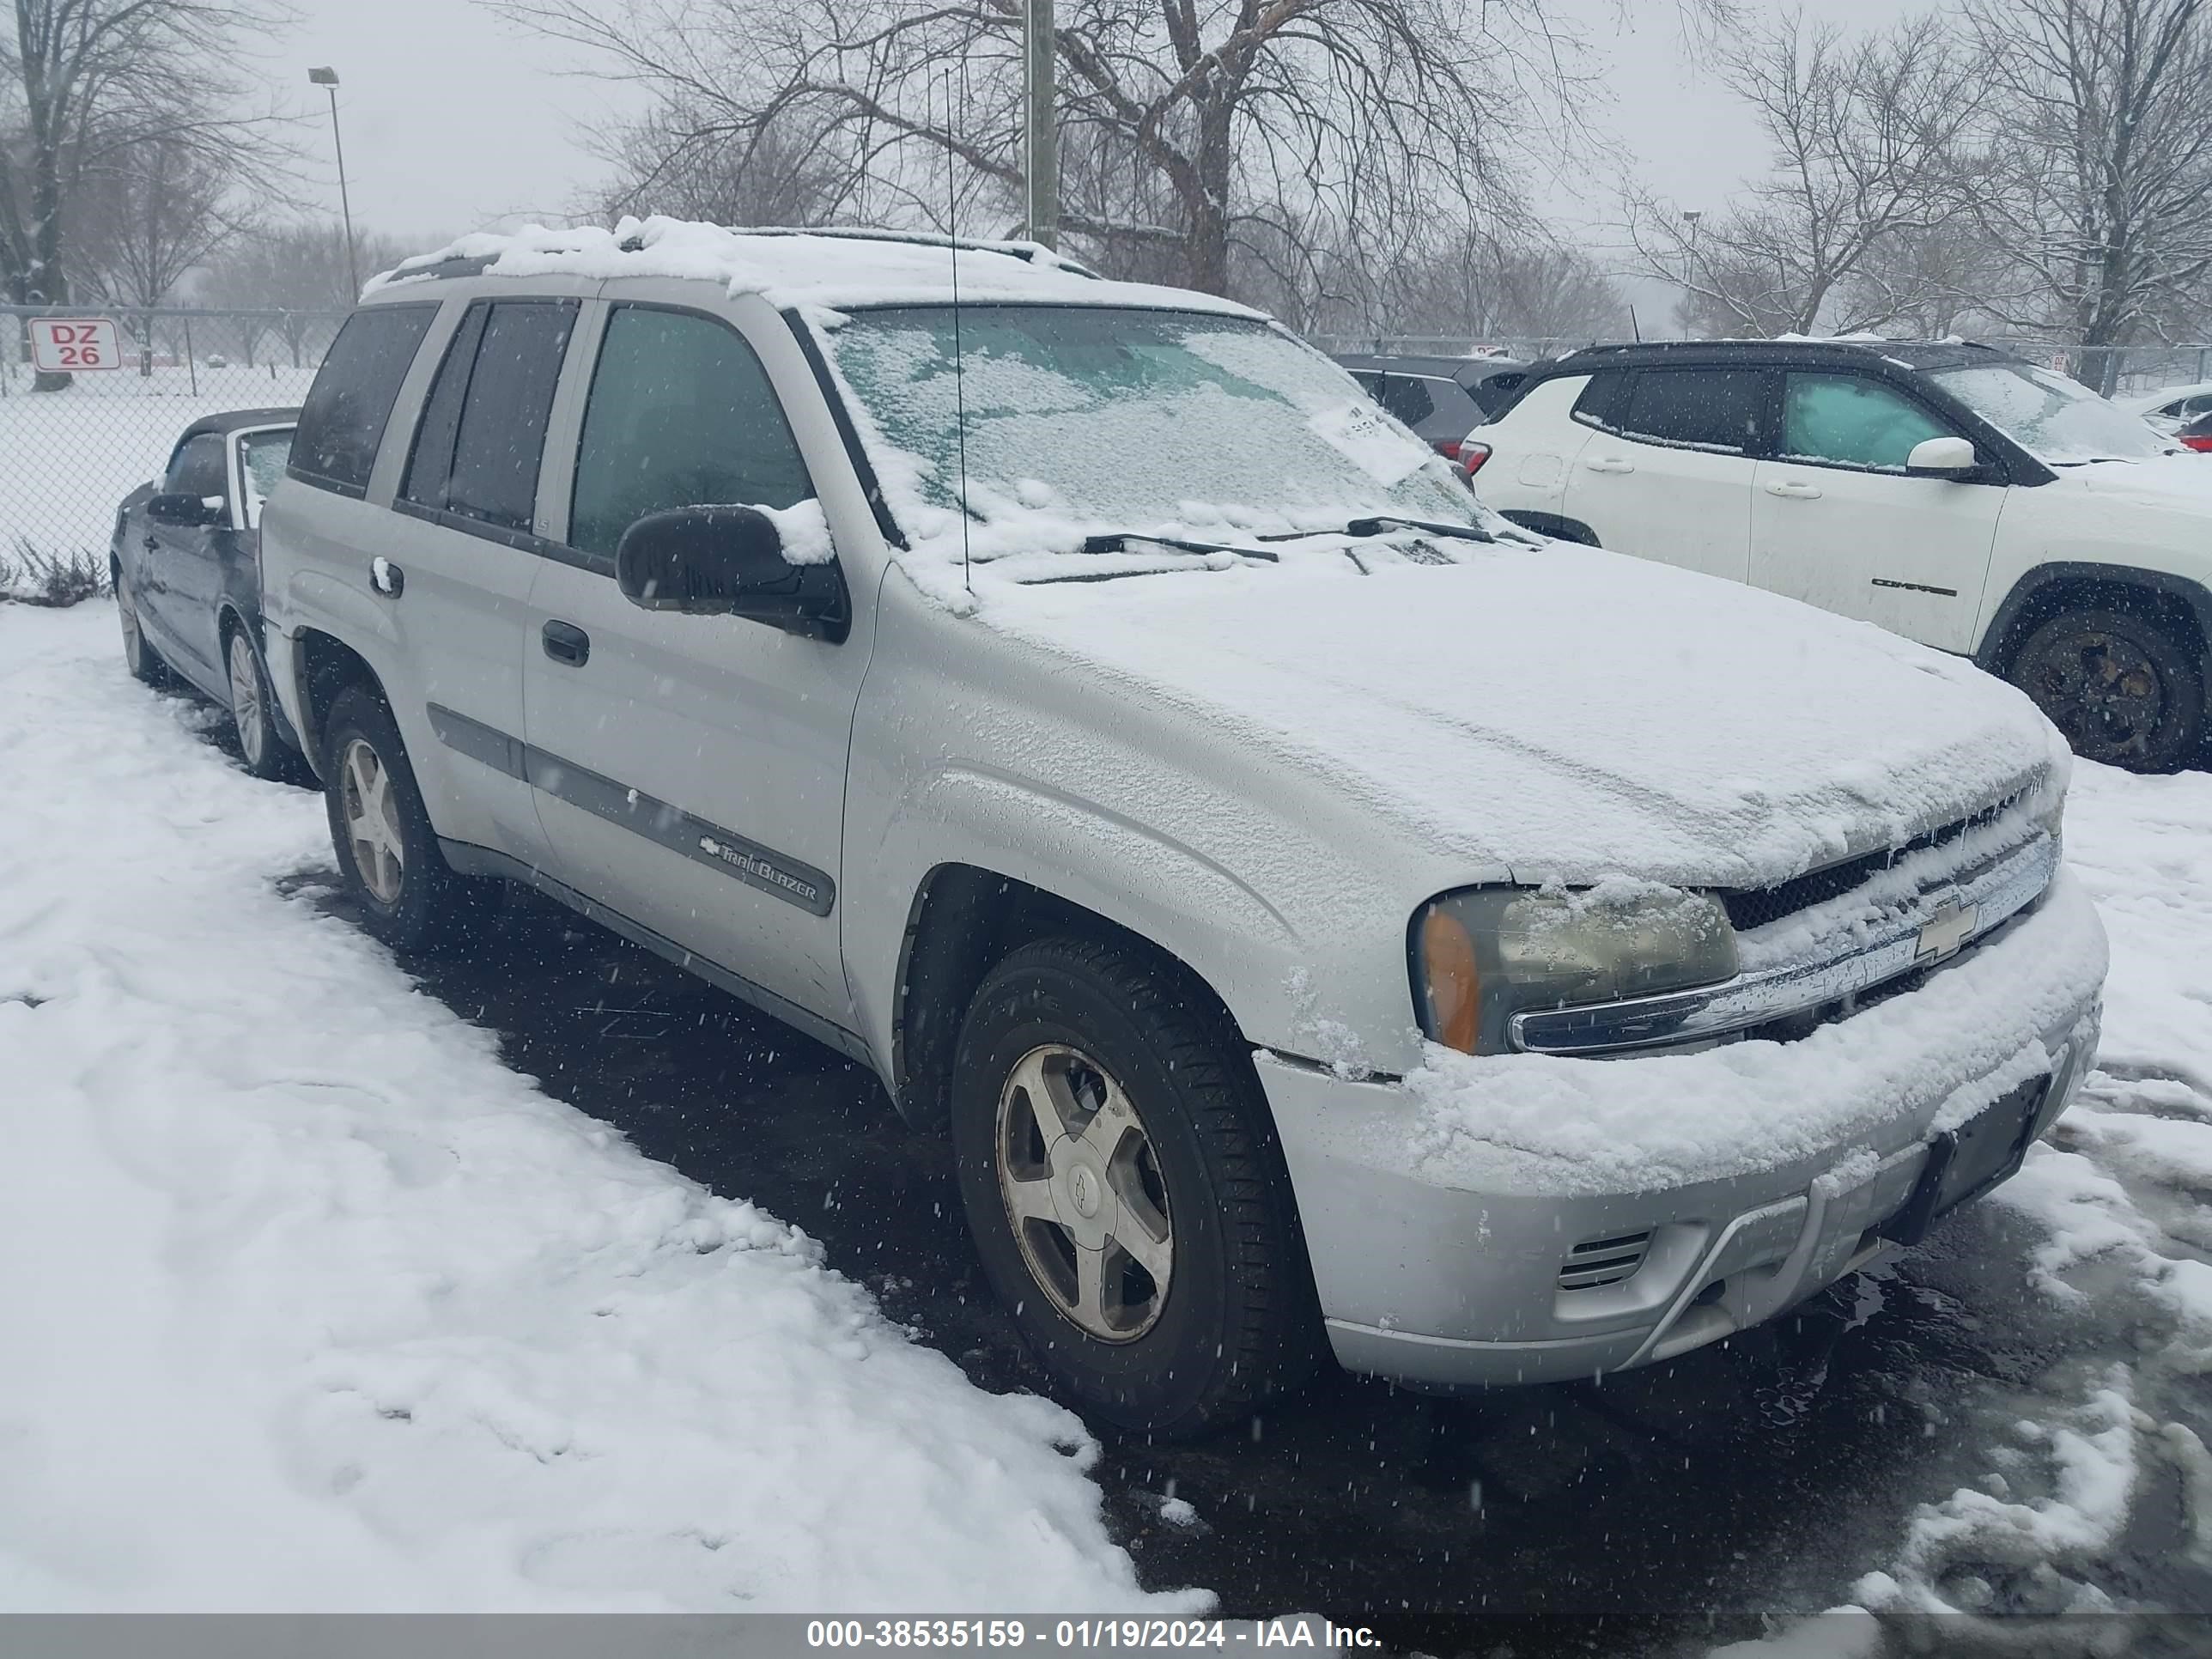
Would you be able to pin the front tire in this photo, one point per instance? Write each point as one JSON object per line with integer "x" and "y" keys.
{"x": 1127, "y": 1197}
{"x": 2122, "y": 688}
{"x": 387, "y": 852}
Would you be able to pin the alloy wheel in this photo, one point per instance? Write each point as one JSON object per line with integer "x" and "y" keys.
{"x": 245, "y": 707}
{"x": 2103, "y": 691}
{"x": 372, "y": 821}
{"x": 1082, "y": 1186}
{"x": 134, "y": 645}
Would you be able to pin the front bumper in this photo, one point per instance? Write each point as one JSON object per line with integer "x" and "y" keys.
{"x": 1446, "y": 1260}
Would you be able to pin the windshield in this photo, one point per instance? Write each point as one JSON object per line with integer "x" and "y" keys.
{"x": 2053, "y": 418}
{"x": 1132, "y": 419}
{"x": 261, "y": 457}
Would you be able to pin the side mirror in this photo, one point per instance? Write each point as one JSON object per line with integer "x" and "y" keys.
{"x": 174, "y": 508}
{"x": 729, "y": 562}
{"x": 1942, "y": 458}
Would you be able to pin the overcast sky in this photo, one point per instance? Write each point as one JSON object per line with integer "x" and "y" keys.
{"x": 455, "y": 121}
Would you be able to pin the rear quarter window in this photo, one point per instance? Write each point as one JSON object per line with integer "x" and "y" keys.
{"x": 341, "y": 422}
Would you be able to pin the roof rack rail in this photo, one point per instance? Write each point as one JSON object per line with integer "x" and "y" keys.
{"x": 1025, "y": 251}
{"x": 1028, "y": 252}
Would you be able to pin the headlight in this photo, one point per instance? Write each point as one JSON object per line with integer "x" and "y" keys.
{"x": 1482, "y": 955}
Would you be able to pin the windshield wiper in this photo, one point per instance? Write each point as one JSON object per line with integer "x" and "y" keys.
{"x": 1465, "y": 533}
{"x": 1121, "y": 540}
{"x": 1374, "y": 526}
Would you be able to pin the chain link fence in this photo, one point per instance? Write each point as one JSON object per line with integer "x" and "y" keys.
{"x": 71, "y": 446}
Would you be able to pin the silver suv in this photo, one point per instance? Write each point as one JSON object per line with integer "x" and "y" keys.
{"x": 1323, "y": 916}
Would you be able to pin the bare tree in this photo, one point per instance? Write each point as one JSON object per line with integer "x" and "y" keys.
{"x": 89, "y": 83}
{"x": 1520, "y": 286}
{"x": 154, "y": 211}
{"x": 2099, "y": 142}
{"x": 1193, "y": 138}
{"x": 775, "y": 173}
{"x": 1866, "y": 135}
{"x": 299, "y": 271}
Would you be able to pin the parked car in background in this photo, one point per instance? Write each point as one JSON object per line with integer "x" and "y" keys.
{"x": 2173, "y": 407}
{"x": 186, "y": 560}
{"x": 1440, "y": 397}
{"x": 1224, "y": 845}
{"x": 1955, "y": 493}
{"x": 2197, "y": 435}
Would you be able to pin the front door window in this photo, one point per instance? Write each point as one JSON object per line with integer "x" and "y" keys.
{"x": 1846, "y": 420}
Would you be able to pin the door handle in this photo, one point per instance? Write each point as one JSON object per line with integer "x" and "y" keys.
{"x": 1792, "y": 489}
{"x": 1610, "y": 464}
{"x": 566, "y": 642}
{"x": 386, "y": 578}
{"x": 153, "y": 546}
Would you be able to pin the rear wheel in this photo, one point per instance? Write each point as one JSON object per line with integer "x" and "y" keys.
{"x": 1121, "y": 1175}
{"x": 144, "y": 662}
{"x": 388, "y": 852}
{"x": 2122, "y": 688}
{"x": 253, "y": 711}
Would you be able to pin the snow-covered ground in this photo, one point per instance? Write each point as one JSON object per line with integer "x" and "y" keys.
{"x": 313, "y": 1303}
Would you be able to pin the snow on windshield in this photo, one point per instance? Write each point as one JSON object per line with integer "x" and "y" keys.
{"x": 2059, "y": 420}
{"x": 1069, "y": 422}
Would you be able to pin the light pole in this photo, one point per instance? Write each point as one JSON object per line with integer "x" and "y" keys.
{"x": 327, "y": 79}
{"x": 1690, "y": 217}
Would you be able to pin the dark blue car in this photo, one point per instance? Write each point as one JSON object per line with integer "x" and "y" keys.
{"x": 187, "y": 570}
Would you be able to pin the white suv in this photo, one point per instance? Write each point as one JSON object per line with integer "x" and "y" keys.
{"x": 1079, "y": 705}
{"x": 1953, "y": 493}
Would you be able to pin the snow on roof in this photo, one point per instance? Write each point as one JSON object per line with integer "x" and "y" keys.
{"x": 828, "y": 268}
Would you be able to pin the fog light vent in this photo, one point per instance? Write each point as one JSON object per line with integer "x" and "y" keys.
{"x": 1597, "y": 1262}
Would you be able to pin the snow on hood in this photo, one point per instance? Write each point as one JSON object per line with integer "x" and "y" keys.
{"x": 1567, "y": 713}
{"x": 2181, "y": 478}
{"x": 796, "y": 268}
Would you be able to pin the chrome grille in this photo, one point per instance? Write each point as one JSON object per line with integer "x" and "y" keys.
{"x": 1597, "y": 1262}
{"x": 1754, "y": 906}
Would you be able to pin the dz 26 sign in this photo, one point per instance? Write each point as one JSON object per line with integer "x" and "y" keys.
{"x": 65, "y": 344}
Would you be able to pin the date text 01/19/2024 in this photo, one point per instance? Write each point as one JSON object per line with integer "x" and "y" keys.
{"x": 1080, "y": 1634}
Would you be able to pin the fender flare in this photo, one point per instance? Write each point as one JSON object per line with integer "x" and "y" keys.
{"x": 1998, "y": 640}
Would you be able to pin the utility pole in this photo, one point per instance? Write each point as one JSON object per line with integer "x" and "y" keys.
{"x": 328, "y": 80}
{"x": 1041, "y": 152}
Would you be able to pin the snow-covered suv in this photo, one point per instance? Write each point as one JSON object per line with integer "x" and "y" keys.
{"x": 1954, "y": 493}
{"x": 1079, "y": 705}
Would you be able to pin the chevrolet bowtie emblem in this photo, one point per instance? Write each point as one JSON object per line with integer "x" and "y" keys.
{"x": 1942, "y": 933}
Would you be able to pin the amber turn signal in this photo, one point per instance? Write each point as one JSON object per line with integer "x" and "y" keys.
{"x": 1455, "y": 992}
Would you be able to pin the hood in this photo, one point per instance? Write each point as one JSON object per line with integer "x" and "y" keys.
{"x": 1566, "y": 713}
{"x": 2182, "y": 481}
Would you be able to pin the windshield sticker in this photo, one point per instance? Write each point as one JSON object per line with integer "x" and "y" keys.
{"x": 1365, "y": 439}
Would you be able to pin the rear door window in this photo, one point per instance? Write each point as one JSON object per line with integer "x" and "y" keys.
{"x": 342, "y": 422}
{"x": 1599, "y": 403}
{"x": 483, "y": 432}
{"x": 1717, "y": 408}
{"x": 682, "y": 414}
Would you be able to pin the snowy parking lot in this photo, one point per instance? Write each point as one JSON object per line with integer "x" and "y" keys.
{"x": 341, "y": 1282}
